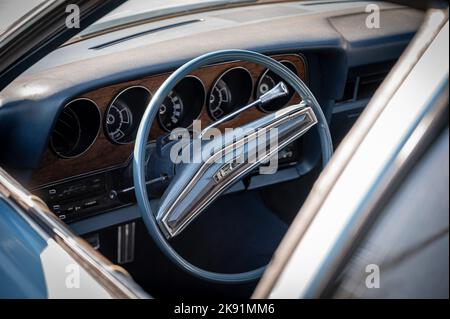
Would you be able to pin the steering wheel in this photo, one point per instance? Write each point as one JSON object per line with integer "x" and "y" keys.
{"x": 198, "y": 184}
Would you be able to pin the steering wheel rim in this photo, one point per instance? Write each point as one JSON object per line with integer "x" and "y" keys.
{"x": 144, "y": 129}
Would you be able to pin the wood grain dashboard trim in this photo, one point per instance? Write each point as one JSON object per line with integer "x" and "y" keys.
{"x": 103, "y": 153}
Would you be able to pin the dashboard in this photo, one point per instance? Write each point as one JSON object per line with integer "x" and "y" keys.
{"x": 97, "y": 129}
{"x": 86, "y": 168}
{"x": 67, "y": 125}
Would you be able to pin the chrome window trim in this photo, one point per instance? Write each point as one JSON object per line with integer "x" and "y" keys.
{"x": 32, "y": 15}
{"x": 286, "y": 277}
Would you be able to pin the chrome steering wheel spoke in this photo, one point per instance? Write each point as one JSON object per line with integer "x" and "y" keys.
{"x": 238, "y": 153}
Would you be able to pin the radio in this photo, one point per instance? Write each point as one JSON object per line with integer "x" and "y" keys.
{"x": 81, "y": 196}
{"x": 90, "y": 194}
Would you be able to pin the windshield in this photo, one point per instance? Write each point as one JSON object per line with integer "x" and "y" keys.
{"x": 134, "y": 11}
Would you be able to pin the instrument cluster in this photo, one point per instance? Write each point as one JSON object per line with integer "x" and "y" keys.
{"x": 190, "y": 99}
{"x": 230, "y": 91}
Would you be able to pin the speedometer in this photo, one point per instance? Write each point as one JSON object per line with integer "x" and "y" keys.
{"x": 182, "y": 105}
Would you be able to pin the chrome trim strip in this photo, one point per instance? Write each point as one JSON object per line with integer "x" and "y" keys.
{"x": 125, "y": 243}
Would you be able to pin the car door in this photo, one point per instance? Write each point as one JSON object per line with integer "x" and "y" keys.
{"x": 380, "y": 209}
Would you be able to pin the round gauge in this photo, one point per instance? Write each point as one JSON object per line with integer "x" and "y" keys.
{"x": 124, "y": 113}
{"x": 266, "y": 84}
{"x": 119, "y": 121}
{"x": 171, "y": 112}
{"x": 231, "y": 90}
{"x": 183, "y": 104}
{"x": 267, "y": 81}
{"x": 220, "y": 100}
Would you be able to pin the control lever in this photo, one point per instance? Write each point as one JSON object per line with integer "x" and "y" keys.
{"x": 279, "y": 90}
{"x": 117, "y": 193}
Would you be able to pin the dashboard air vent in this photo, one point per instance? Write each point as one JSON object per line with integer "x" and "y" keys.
{"x": 75, "y": 129}
{"x": 362, "y": 82}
